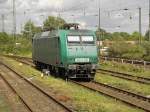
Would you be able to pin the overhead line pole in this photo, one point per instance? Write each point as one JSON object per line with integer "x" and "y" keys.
{"x": 149, "y": 20}
{"x": 14, "y": 19}
{"x": 99, "y": 23}
{"x": 140, "y": 26}
{"x": 99, "y": 19}
{"x": 3, "y": 22}
{"x": 99, "y": 13}
{"x": 30, "y": 28}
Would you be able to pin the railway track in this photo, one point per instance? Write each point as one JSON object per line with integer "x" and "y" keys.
{"x": 109, "y": 72}
{"x": 125, "y": 76}
{"x": 20, "y": 98}
{"x": 11, "y": 94}
{"x": 18, "y": 57}
{"x": 24, "y": 60}
{"x": 131, "y": 98}
{"x": 127, "y": 97}
{"x": 33, "y": 97}
{"x": 138, "y": 79}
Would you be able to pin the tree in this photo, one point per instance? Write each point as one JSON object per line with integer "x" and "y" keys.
{"x": 30, "y": 29}
{"x": 122, "y": 49}
{"x": 117, "y": 37}
{"x": 134, "y": 52}
{"x": 125, "y": 36}
{"x": 52, "y": 23}
{"x": 146, "y": 46}
{"x": 4, "y": 38}
{"x": 118, "y": 48}
{"x": 101, "y": 34}
{"x": 135, "y": 36}
{"x": 147, "y": 35}
{"x": 6, "y": 43}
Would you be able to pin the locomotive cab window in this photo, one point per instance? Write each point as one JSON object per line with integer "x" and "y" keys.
{"x": 74, "y": 39}
{"x": 87, "y": 39}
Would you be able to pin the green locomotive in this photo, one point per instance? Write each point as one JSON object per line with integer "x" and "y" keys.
{"x": 71, "y": 53}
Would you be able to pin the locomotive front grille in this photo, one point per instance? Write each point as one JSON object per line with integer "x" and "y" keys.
{"x": 81, "y": 71}
{"x": 82, "y": 76}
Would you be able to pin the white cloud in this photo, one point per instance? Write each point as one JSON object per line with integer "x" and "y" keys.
{"x": 50, "y": 3}
{"x": 118, "y": 16}
{"x": 3, "y": 1}
{"x": 83, "y": 24}
{"x": 110, "y": 19}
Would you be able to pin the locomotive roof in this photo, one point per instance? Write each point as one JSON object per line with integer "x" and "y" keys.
{"x": 55, "y": 33}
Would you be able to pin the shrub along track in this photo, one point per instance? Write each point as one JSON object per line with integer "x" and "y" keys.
{"x": 33, "y": 97}
{"x": 125, "y": 96}
{"x": 125, "y": 76}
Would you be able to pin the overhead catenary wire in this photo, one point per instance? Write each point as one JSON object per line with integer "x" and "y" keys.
{"x": 83, "y": 10}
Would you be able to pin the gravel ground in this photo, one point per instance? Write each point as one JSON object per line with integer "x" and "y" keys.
{"x": 12, "y": 102}
{"x": 37, "y": 101}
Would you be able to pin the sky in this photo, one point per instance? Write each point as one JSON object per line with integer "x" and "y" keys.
{"x": 113, "y": 16}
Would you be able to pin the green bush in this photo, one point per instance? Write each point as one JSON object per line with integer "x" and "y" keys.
{"x": 134, "y": 52}
{"x": 146, "y": 46}
{"x": 125, "y": 50}
{"x": 8, "y": 45}
{"x": 117, "y": 49}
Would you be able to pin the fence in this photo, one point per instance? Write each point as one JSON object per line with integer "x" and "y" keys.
{"x": 135, "y": 62}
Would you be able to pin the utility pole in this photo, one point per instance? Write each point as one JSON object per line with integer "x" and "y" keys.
{"x": 84, "y": 13}
{"x": 14, "y": 19}
{"x": 99, "y": 25}
{"x": 99, "y": 15}
{"x": 3, "y": 22}
{"x": 149, "y": 22}
{"x": 30, "y": 28}
{"x": 140, "y": 27}
{"x": 58, "y": 17}
{"x": 99, "y": 19}
{"x": 99, "y": 22}
{"x": 42, "y": 20}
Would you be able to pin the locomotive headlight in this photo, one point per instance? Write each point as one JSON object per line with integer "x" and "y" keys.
{"x": 72, "y": 67}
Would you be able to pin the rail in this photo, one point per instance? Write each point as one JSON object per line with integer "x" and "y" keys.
{"x": 138, "y": 79}
{"x": 38, "y": 88}
{"x": 127, "y": 97}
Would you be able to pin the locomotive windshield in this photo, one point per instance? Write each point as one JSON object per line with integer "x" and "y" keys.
{"x": 73, "y": 39}
{"x": 87, "y": 39}
{"x": 81, "y": 40}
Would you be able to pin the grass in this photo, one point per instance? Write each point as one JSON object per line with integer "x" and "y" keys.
{"x": 27, "y": 54}
{"x": 124, "y": 84}
{"x": 126, "y": 68}
{"x": 81, "y": 98}
{"x": 4, "y": 107}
